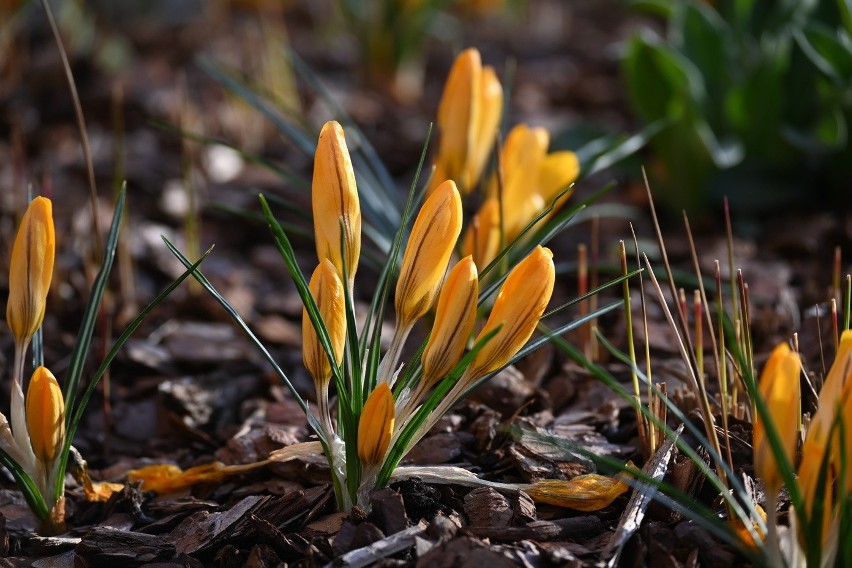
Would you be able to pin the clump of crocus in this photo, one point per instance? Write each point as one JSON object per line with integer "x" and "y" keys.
{"x": 35, "y": 448}
{"x": 529, "y": 180}
{"x": 385, "y": 403}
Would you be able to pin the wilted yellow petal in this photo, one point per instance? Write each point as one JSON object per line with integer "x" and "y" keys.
{"x": 482, "y": 238}
{"x": 517, "y": 309}
{"x": 591, "y": 492}
{"x": 427, "y": 253}
{"x": 454, "y": 319}
{"x": 328, "y": 293}
{"x": 45, "y": 415}
{"x": 744, "y": 534}
{"x": 779, "y": 388}
{"x": 334, "y": 198}
{"x": 31, "y": 269}
{"x": 101, "y": 491}
{"x": 375, "y": 429}
{"x": 167, "y": 478}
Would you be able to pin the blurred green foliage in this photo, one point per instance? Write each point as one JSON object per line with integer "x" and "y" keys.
{"x": 757, "y": 99}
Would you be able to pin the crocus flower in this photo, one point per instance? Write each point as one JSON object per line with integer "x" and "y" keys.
{"x": 327, "y": 291}
{"x": 427, "y": 253}
{"x": 835, "y": 395}
{"x": 532, "y": 179}
{"x": 334, "y": 198}
{"x": 517, "y": 309}
{"x": 779, "y": 389}
{"x": 468, "y": 118}
{"x": 45, "y": 415}
{"x": 454, "y": 318}
{"x": 31, "y": 270}
{"x": 375, "y": 428}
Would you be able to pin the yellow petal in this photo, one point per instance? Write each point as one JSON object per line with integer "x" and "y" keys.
{"x": 45, "y": 415}
{"x": 454, "y": 318}
{"x": 557, "y": 171}
{"x": 31, "y": 269}
{"x": 375, "y": 429}
{"x": 779, "y": 388}
{"x": 101, "y": 491}
{"x": 334, "y": 198}
{"x": 517, "y": 309}
{"x": 427, "y": 253}
{"x": 591, "y": 492}
{"x": 744, "y": 534}
{"x": 458, "y": 111}
{"x": 482, "y": 238}
{"x": 328, "y": 293}
{"x": 484, "y": 131}
{"x": 522, "y": 156}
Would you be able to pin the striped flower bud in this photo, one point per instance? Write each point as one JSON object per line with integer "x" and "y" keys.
{"x": 468, "y": 118}
{"x": 779, "y": 389}
{"x": 375, "y": 429}
{"x": 45, "y": 415}
{"x": 335, "y": 201}
{"x": 454, "y": 319}
{"x": 482, "y": 239}
{"x": 327, "y": 290}
{"x": 31, "y": 270}
{"x": 427, "y": 253}
{"x": 517, "y": 309}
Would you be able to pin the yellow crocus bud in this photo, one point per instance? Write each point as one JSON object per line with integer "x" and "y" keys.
{"x": 31, "y": 270}
{"x": 335, "y": 201}
{"x": 327, "y": 290}
{"x": 468, "y": 118}
{"x": 779, "y": 389}
{"x": 835, "y": 391}
{"x": 375, "y": 429}
{"x": 427, "y": 253}
{"x": 482, "y": 239}
{"x": 45, "y": 415}
{"x": 517, "y": 309}
{"x": 454, "y": 319}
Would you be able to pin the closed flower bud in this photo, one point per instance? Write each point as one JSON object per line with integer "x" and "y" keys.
{"x": 779, "y": 388}
{"x": 517, "y": 309}
{"x": 468, "y": 118}
{"x": 375, "y": 428}
{"x": 836, "y": 393}
{"x": 454, "y": 319}
{"x": 427, "y": 253}
{"x": 45, "y": 415}
{"x": 327, "y": 290}
{"x": 31, "y": 270}
{"x": 335, "y": 201}
{"x": 482, "y": 239}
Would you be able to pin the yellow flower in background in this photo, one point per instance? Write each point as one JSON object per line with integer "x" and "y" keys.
{"x": 468, "y": 119}
{"x": 334, "y": 198}
{"x": 45, "y": 415}
{"x": 532, "y": 179}
{"x": 427, "y": 253}
{"x": 779, "y": 389}
{"x": 31, "y": 270}
{"x": 328, "y": 293}
{"x": 454, "y": 318}
{"x": 375, "y": 429}
{"x": 517, "y": 310}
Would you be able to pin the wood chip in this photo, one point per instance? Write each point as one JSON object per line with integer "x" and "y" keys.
{"x": 487, "y": 507}
{"x": 107, "y": 547}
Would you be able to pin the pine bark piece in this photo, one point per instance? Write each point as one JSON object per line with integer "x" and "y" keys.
{"x": 486, "y": 507}
{"x": 572, "y": 527}
{"x": 388, "y": 511}
{"x": 105, "y": 547}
